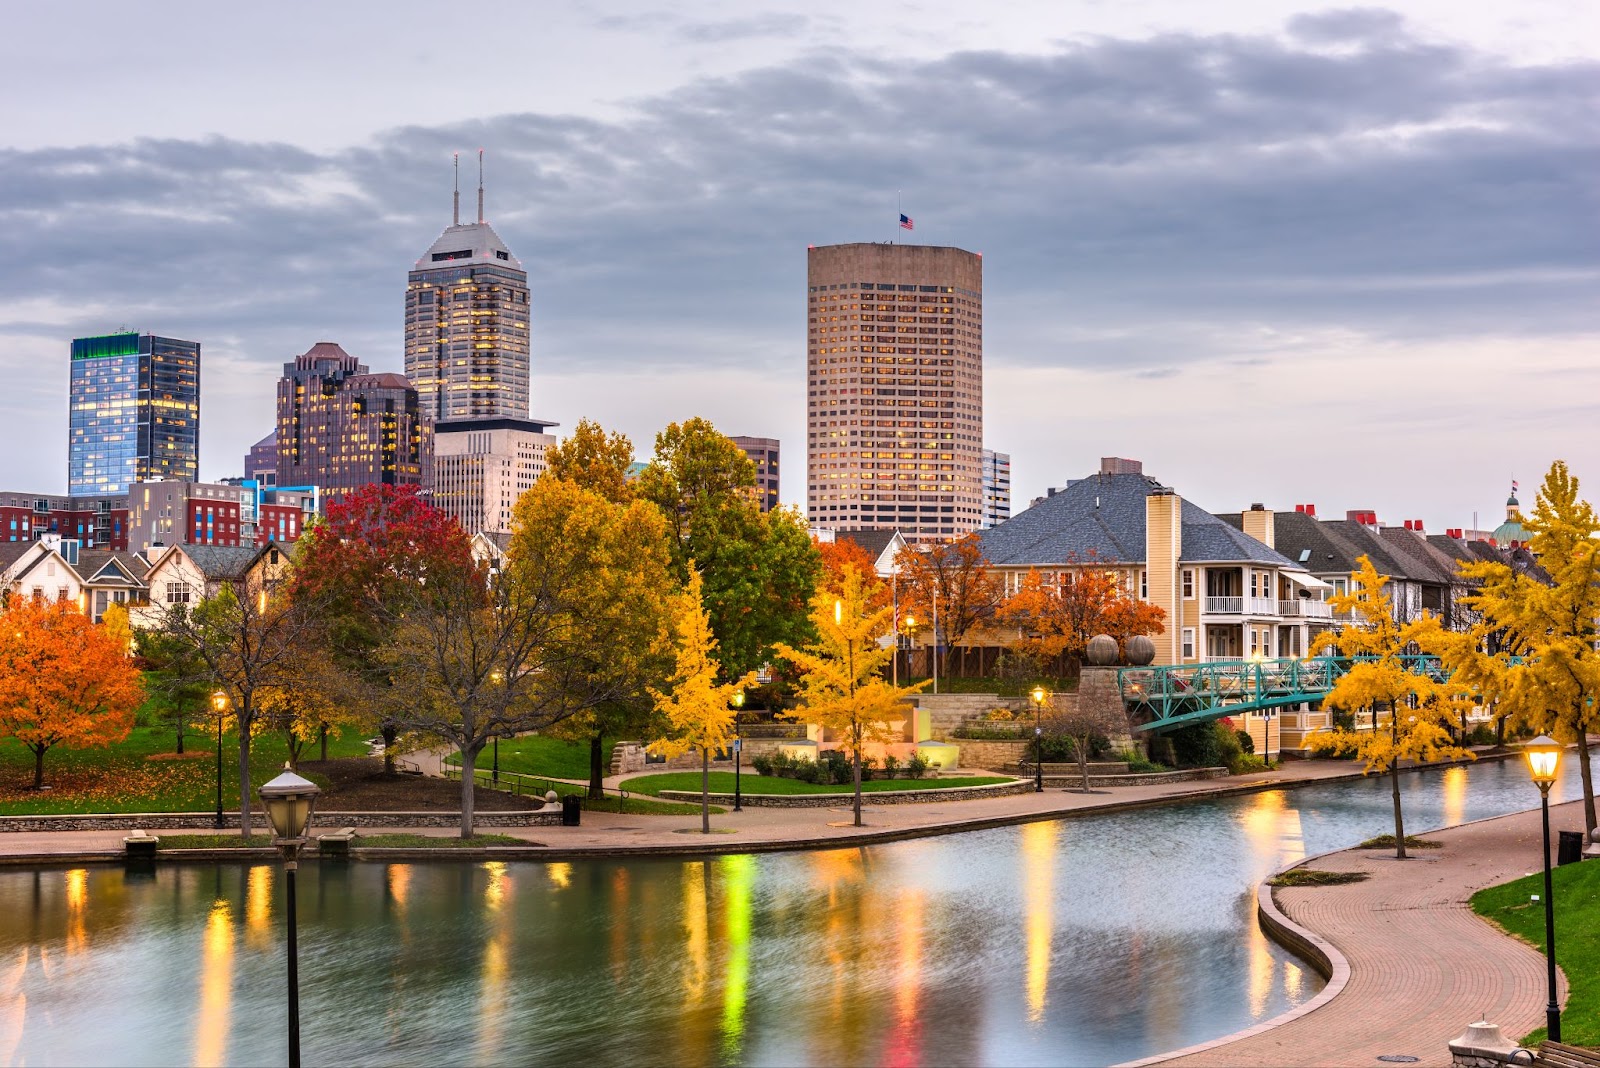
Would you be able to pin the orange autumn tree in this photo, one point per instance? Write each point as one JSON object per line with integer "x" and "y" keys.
{"x": 63, "y": 681}
{"x": 1089, "y": 601}
{"x": 841, "y": 556}
{"x": 950, "y": 582}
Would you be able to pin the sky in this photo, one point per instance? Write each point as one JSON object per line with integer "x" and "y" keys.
{"x": 1281, "y": 252}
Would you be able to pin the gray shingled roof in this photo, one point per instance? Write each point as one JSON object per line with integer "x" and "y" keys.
{"x": 221, "y": 562}
{"x": 873, "y": 541}
{"x": 1102, "y": 517}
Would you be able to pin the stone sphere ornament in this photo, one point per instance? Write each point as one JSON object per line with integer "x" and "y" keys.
{"x": 1102, "y": 650}
{"x": 1141, "y": 650}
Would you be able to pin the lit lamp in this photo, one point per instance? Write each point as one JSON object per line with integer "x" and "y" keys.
{"x": 1544, "y": 757}
{"x": 738, "y": 740}
{"x": 289, "y": 800}
{"x": 219, "y": 705}
{"x": 1038, "y": 697}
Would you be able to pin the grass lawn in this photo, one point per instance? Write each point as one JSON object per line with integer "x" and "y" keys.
{"x": 1577, "y": 898}
{"x": 143, "y": 774}
{"x": 535, "y": 754}
{"x": 213, "y": 841}
{"x": 631, "y": 806}
{"x": 722, "y": 783}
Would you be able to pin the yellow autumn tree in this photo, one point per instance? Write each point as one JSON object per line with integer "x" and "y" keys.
{"x": 1380, "y": 680}
{"x": 699, "y": 710}
{"x": 842, "y": 686}
{"x": 1543, "y": 672}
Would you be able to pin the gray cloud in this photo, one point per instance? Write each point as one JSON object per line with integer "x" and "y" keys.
{"x": 1142, "y": 204}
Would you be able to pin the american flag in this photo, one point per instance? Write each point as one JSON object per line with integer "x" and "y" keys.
{"x": 905, "y": 223}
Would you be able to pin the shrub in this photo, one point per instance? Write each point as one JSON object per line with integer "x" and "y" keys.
{"x": 1247, "y": 744}
{"x": 997, "y": 733}
{"x": 868, "y": 766}
{"x": 1205, "y": 745}
{"x": 1482, "y": 734}
{"x": 809, "y": 771}
{"x": 916, "y": 767}
{"x": 836, "y": 767}
{"x": 891, "y": 764}
{"x": 762, "y": 764}
{"x": 1246, "y": 762}
{"x": 1136, "y": 762}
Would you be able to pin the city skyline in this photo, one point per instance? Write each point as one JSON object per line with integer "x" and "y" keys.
{"x": 1350, "y": 237}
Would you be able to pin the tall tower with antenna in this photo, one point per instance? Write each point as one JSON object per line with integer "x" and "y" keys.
{"x": 467, "y": 349}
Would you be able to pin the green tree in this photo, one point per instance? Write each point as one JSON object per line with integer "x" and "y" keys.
{"x": 842, "y": 687}
{"x": 1544, "y": 672}
{"x": 759, "y": 569}
{"x": 699, "y": 711}
{"x": 593, "y": 459}
{"x": 1420, "y": 708}
{"x": 177, "y": 683}
{"x": 606, "y": 564}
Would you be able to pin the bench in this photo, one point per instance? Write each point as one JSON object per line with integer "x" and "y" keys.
{"x": 336, "y": 843}
{"x": 140, "y": 845}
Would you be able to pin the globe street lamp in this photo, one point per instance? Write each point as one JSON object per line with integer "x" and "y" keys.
{"x": 219, "y": 705}
{"x": 738, "y": 744}
{"x": 1544, "y": 756}
{"x": 289, "y": 800}
{"x": 1038, "y": 696}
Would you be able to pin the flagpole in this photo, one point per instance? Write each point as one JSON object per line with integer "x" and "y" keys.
{"x": 894, "y": 234}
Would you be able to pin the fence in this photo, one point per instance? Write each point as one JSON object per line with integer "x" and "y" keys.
{"x": 520, "y": 785}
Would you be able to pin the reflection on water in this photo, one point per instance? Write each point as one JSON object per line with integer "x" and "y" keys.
{"x": 1080, "y": 942}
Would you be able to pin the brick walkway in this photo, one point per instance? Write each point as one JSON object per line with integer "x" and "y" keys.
{"x": 1422, "y": 965}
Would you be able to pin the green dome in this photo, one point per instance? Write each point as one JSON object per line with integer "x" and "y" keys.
{"x": 1510, "y": 532}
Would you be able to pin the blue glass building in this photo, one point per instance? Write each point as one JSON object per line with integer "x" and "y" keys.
{"x": 135, "y": 412}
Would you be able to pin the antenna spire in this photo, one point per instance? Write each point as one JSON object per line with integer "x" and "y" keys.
{"x": 480, "y": 186}
{"x": 455, "y": 197}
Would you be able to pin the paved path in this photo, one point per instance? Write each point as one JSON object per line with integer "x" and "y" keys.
{"x": 1422, "y": 965}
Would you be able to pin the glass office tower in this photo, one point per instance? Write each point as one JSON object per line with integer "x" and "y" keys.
{"x": 135, "y": 412}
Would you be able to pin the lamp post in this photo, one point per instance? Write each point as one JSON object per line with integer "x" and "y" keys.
{"x": 219, "y": 705}
{"x": 289, "y": 800}
{"x": 1544, "y": 755}
{"x": 1038, "y": 696}
{"x": 738, "y": 745}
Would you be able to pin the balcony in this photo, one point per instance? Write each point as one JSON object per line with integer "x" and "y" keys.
{"x": 1305, "y": 608}
{"x": 1241, "y": 606}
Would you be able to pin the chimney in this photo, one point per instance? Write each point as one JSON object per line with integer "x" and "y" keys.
{"x": 1362, "y": 516}
{"x": 1311, "y": 510}
{"x": 1300, "y": 508}
{"x": 1258, "y": 524}
{"x": 1117, "y": 465}
{"x": 1163, "y": 548}
{"x": 1408, "y": 524}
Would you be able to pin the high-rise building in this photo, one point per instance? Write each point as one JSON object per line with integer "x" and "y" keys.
{"x": 97, "y": 522}
{"x": 996, "y": 488}
{"x": 467, "y": 324}
{"x": 261, "y": 462}
{"x": 340, "y": 427}
{"x": 135, "y": 412}
{"x": 763, "y": 452}
{"x": 481, "y": 467}
{"x": 894, "y": 414}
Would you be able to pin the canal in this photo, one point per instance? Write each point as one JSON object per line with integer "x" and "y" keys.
{"x": 1082, "y": 941}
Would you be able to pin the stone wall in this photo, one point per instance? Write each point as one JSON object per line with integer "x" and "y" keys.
{"x": 1152, "y": 778}
{"x": 874, "y": 797}
{"x": 321, "y": 822}
{"x": 993, "y": 754}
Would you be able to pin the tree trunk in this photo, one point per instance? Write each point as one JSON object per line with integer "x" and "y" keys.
{"x": 1588, "y": 783}
{"x": 857, "y": 772}
{"x": 1083, "y": 761}
{"x": 469, "y": 786}
{"x": 244, "y": 720}
{"x": 390, "y": 734}
{"x": 180, "y": 729}
{"x": 705, "y": 790}
{"x": 1399, "y": 820}
{"x": 323, "y": 737}
{"x": 597, "y": 788}
{"x": 38, "y": 767}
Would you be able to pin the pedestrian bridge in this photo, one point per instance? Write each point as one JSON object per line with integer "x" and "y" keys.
{"x": 1161, "y": 698}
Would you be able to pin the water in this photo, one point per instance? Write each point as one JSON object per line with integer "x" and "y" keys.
{"x": 1083, "y": 941}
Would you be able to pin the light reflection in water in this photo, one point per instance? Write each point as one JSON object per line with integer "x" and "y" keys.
{"x": 1038, "y": 881}
{"x": 738, "y": 883}
{"x": 494, "y": 980}
{"x": 216, "y": 987}
{"x": 77, "y": 904}
{"x": 258, "y": 907}
{"x": 13, "y": 1007}
{"x": 560, "y": 874}
{"x": 905, "y": 1041}
{"x": 1453, "y": 785}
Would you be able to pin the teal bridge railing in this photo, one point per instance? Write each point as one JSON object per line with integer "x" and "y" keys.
{"x": 1161, "y": 698}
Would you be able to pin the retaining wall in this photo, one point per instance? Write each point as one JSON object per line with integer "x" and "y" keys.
{"x": 873, "y": 797}
{"x": 320, "y": 822}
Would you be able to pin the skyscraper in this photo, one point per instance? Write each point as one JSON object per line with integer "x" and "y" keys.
{"x": 340, "y": 426}
{"x": 481, "y": 467}
{"x": 894, "y": 412}
{"x": 996, "y": 488}
{"x": 135, "y": 412}
{"x": 467, "y": 323}
{"x": 763, "y": 452}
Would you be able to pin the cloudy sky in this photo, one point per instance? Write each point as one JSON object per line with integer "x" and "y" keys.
{"x": 1280, "y": 252}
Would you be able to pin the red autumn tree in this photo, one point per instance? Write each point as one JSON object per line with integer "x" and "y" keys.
{"x": 1089, "y": 600}
{"x": 373, "y": 549}
{"x": 841, "y": 556}
{"x": 949, "y": 582}
{"x": 63, "y": 681}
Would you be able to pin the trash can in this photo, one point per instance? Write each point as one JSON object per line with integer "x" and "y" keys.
{"x": 1570, "y": 851}
{"x": 571, "y": 809}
